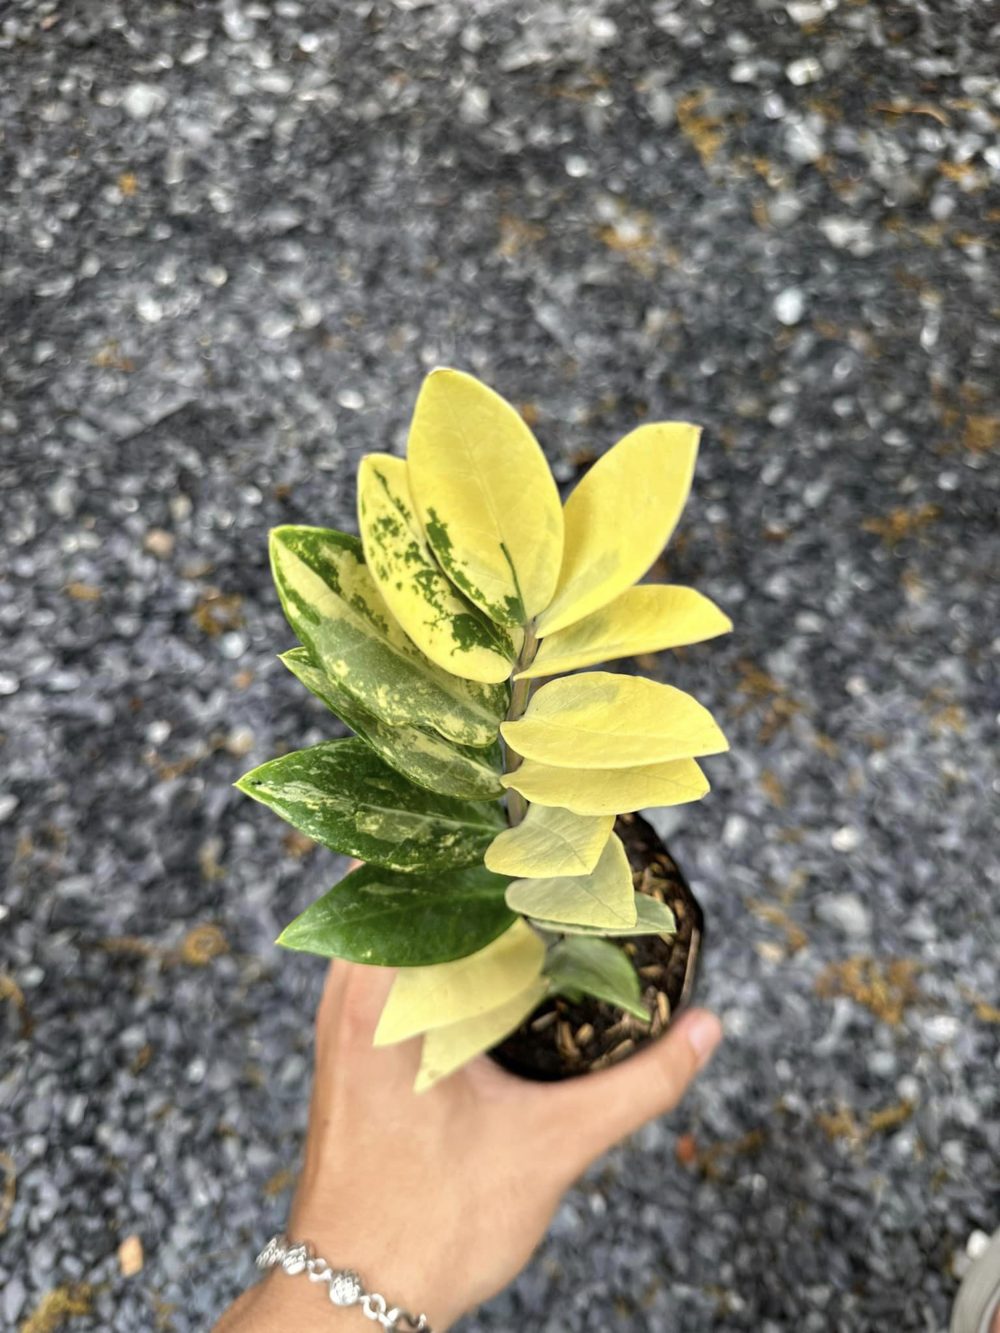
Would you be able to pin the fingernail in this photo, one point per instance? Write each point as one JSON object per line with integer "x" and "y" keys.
{"x": 704, "y": 1032}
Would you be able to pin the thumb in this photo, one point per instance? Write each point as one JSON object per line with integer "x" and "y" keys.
{"x": 614, "y": 1103}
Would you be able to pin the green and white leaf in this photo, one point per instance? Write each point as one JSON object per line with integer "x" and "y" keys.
{"x": 651, "y": 918}
{"x": 422, "y": 756}
{"x": 604, "y": 898}
{"x": 485, "y": 495}
{"x": 389, "y": 919}
{"x": 423, "y": 998}
{"x": 550, "y": 841}
{"x": 603, "y": 720}
{"x": 620, "y": 517}
{"x": 595, "y": 967}
{"x": 647, "y": 619}
{"x": 447, "y": 1049}
{"x": 343, "y": 795}
{"x": 443, "y": 624}
{"x": 607, "y": 791}
{"x": 336, "y": 610}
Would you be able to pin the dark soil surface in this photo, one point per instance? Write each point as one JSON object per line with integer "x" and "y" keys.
{"x": 561, "y": 1038}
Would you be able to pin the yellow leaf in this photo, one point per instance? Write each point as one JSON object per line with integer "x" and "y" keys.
{"x": 605, "y": 897}
{"x": 486, "y": 497}
{"x": 423, "y": 998}
{"x": 605, "y": 791}
{"x": 550, "y": 841}
{"x": 620, "y": 517}
{"x": 602, "y": 720}
{"x": 447, "y": 1049}
{"x": 646, "y": 619}
{"x": 445, "y": 627}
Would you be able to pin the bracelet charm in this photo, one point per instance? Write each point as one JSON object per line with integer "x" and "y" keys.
{"x": 344, "y": 1286}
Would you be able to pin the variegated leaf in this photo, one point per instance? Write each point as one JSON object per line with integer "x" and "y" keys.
{"x": 447, "y": 1049}
{"x": 603, "y": 720}
{"x": 646, "y": 619}
{"x": 486, "y": 497}
{"x": 443, "y": 624}
{"x": 620, "y": 517}
{"x": 335, "y": 608}
{"x": 423, "y": 998}
{"x": 390, "y": 919}
{"x": 422, "y": 756}
{"x": 605, "y": 897}
{"x": 651, "y": 918}
{"x": 605, "y": 791}
{"x": 549, "y": 842}
{"x": 343, "y": 795}
{"x": 595, "y": 967}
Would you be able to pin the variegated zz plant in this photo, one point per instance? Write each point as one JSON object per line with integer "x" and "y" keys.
{"x": 483, "y": 807}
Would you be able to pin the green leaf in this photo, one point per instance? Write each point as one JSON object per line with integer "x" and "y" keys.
{"x": 422, "y": 756}
{"x": 423, "y": 998}
{"x": 343, "y": 795}
{"x": 651, "y": 918}
{"x": 486, "y": 498}
{"x": 440, "y": 621}
{"x": 603, "y": 720}
{"x": 335, "y": 608}
{"x": 596, "y": 968}
{"x": 602, "y": 898}
{"x": 389, "y": 919}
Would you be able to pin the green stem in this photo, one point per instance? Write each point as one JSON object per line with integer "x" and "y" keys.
{"x": 517, "y": 806}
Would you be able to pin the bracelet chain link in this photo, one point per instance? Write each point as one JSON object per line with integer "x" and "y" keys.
{"x": 345, "y": 1287}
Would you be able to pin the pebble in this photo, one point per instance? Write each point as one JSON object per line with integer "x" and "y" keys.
{"x": 846, "y": 912}
{"x": 142, "y": 100}
{"x": 789, "y": 306}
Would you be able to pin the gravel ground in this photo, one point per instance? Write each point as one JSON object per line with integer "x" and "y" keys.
{"x": 236, "y": 236}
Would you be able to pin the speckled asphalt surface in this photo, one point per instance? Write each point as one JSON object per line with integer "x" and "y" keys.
{"x": 235, "y": 237}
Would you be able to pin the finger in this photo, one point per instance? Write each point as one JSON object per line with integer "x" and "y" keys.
{"x": 607, "y": 1106}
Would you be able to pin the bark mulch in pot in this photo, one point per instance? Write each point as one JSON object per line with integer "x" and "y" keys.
{"x": 562, "y": 1039}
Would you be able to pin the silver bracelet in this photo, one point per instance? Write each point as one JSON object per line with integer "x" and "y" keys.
{"x": 345, "y": 1287}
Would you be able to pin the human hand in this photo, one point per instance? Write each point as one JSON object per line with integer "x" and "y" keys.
{"x": 438, "y": 1199}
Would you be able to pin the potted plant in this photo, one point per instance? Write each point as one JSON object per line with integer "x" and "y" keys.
{"x": 491, "y": 786}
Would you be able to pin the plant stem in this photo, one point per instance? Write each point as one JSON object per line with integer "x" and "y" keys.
{"x": 517, "y": 806}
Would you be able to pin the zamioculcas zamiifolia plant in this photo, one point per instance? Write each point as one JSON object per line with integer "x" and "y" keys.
{"x": 486, "y": 771}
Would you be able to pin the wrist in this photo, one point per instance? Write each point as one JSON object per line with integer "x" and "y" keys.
{"x": 310, "y": 1292}
{"x": 278, "y": 1303}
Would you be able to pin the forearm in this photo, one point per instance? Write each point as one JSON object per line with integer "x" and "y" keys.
{"x": 280, "y": 1303}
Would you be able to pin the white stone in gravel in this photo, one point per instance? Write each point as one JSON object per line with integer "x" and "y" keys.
{"x": 8, "y": 804}
{"x": 942, "y": 1027}
{"x": 661, "y": 107}
{"x": 803, "y": 143}
{"x": 149, "y": 309}
{"x": 847, "y": 233}
{"x": 845, "y": 839}
{"x": 784, "y": 208}
{"x": 61, "y": 496}
{"x": 846, "y": 912}
{"x": 142, "y": 100}
{"x": 474, "y": 108}
{"x": 734, "y": 830}
{"x": 806, "y": 70}
{"x": 789, "y": 306}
